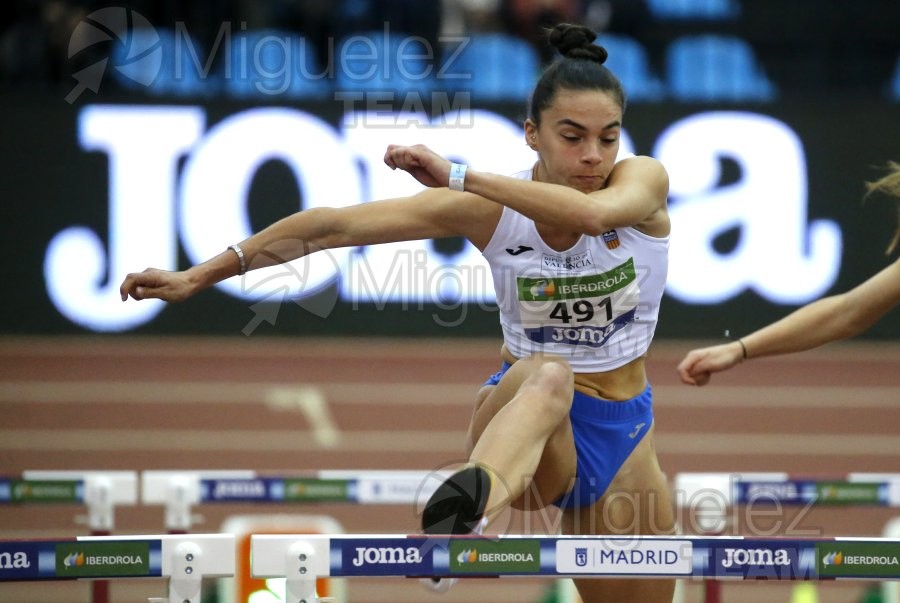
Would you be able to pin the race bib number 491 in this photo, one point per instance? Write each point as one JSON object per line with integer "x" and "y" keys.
{"x": 578, "y": 310}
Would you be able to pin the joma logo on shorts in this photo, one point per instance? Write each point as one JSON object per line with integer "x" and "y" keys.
{"x": 390, "y": 555}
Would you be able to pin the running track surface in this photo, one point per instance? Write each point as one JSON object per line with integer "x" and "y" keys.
{"x": 244, "y": 403}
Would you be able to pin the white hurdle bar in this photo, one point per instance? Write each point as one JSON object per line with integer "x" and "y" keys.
{"x": 710, "y": 495}
{"x": 180, "y": 491}
{"x": 184, "y": 559}
{"x": 301, "y": 559}
{"x": 729, "y": 489}
{"x": 100, "y": 491}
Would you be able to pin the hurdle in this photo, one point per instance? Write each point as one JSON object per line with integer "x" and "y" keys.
{"x": 183, "y": 560}
{"x": 711, "y": 496}
{"x": 179, "y": 491}
{"x": 302, "y": 559}
{"x": 182, "y": 491}
{"x": 99, "y": 491}
{"x": 729, "y": 489}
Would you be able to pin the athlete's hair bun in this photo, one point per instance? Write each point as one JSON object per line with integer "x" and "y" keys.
{"x": 576, "y": 42}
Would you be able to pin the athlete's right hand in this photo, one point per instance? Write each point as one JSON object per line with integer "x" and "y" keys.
{"x": 420, "y": 162}
{"x": 154, "y": 283}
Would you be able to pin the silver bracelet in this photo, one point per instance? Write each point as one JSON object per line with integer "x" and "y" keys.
{"x": 240, "y": 253}
{"x": 457, "y": 177}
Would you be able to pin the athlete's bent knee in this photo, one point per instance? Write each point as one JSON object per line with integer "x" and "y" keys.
{"x": 557, "y": 377}
{"x": 556, "y": 382}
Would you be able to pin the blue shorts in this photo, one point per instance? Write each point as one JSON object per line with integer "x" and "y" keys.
{"x": 606, "y": 433}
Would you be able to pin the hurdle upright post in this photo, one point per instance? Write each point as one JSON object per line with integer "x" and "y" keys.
{"x": 179, "y": 492}
{"x": 300, "y": 559}
{"x": 103, "y": 491}
{"x": 100, "y": 519}
{"x": 300, "y": 563}
{"x": 184, "y": 585}
{"x": 188, "y": 559}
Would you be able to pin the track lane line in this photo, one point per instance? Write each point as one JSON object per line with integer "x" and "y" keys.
{"x": 412, "y": 394}
{"x": 748, "y": 444}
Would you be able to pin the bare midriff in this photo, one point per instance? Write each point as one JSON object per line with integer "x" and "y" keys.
{"x": 619, "y": 384}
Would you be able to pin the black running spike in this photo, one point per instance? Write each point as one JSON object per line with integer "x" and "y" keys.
{"x": 457, "y": 506}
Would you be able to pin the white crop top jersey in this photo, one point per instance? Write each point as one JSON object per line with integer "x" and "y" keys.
{"x": 596, "y": 304}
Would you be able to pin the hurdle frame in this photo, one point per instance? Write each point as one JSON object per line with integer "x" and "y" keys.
{"x": 729, "y": 490}
{"x": 179, "y": 491}
{"x": 185, "y": 560}
{"x": 99, "y": 491}
{"x": 301, "y": 559}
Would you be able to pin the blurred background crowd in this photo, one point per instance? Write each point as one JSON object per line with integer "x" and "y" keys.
{"x": 800, "y": 46}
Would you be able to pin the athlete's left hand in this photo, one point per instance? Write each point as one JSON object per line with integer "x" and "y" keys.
{"x": 422, "y": 163}
{"x": 698, "y": 366}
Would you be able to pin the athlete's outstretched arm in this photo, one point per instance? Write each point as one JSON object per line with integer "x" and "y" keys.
{"x": 820, "y": 322}
{"x": 432, "y": 213}
{"x": 636, "y": 189}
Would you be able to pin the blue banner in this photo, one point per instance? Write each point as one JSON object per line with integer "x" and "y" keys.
{"x": 718, "y": 558}
{"x": 20, "y": 560}
{"x": 820, "y": 492}
{"x": 761, "y": 559}
{"x": 279, "y": 489}
{"x": 242, "y": 490}
{"x": 786, "y": 492}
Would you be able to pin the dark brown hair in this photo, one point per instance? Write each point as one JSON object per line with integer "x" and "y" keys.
{"x": 580, "y": 68}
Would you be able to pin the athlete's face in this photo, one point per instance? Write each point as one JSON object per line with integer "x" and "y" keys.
{"x": 578, "y": 139}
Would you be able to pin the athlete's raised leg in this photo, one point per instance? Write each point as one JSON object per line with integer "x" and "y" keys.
{"x": 515, "y": 424}
{"x": 522, "y": 434}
